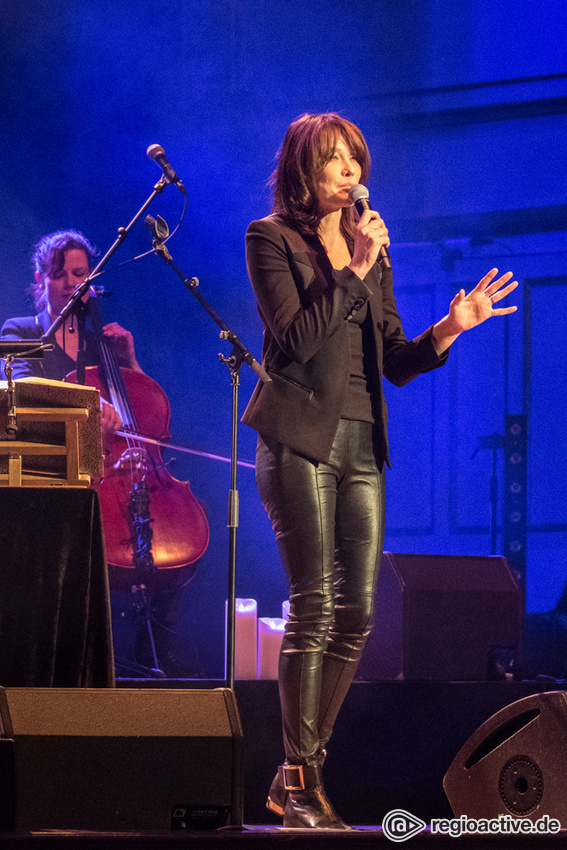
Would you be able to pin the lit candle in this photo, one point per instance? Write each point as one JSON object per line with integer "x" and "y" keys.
{"x": 245, "y": 637}
{"x": 270, "y": 634}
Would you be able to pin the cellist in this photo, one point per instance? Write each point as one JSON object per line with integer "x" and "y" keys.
{"x": 61, "y": 262}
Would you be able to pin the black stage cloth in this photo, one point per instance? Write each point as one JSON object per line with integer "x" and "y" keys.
{"x": 55, "y": 626}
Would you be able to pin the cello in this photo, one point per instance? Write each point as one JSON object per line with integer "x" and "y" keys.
{"x": 155, "y": 530}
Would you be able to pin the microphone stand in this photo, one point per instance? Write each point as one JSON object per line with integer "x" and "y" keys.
{"x": 8, "y": 350}
{"x": 234, "y": 362}
{"x": 492, "y": 442}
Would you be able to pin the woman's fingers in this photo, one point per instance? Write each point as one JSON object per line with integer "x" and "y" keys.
{"x": 499, "y": 294}
{"x": 110, "y": 418}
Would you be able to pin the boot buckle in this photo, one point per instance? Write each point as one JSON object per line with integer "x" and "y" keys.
{"x": 293, "y": 777}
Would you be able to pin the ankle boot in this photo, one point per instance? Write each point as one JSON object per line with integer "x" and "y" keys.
{"x": 277, "y": 793}
{"x": 306, "y": 805}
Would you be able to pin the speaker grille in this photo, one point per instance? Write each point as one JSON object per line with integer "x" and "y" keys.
{"x": 521, "y": 785}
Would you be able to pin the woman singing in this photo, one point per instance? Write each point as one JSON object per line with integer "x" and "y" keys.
{"x": 323, "y": 283}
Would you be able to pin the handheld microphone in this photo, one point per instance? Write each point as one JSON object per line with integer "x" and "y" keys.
{"x": 157, "y": 153}
{"x": 358, "y": 196}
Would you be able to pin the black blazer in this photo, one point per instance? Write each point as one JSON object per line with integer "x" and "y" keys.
{"x": 304, "y": 304}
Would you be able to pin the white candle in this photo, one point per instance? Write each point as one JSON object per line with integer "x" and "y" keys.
{"x": 285, "y": 609}
{"x": 270, "y": 634}
{"x": 245, "y": 637}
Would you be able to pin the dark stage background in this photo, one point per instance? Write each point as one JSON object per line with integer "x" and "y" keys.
{"x": 464, "y": 108}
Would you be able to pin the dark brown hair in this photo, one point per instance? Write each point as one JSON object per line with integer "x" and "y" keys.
{"x": 49, "y": 258}
{"x": 307, "y": 148}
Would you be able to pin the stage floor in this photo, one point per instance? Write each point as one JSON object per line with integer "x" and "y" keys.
{"x": 269, "y": 838}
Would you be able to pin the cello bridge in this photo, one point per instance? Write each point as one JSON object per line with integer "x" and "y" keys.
{"x": 133, "y": 460}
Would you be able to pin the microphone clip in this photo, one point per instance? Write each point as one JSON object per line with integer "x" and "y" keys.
{"x": 160, "y": 231}
{"x": 158, "y": 228}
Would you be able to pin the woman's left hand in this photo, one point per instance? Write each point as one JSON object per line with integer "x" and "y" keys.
{"x": 468, "y": 311}
{"x": 123, "y": 344}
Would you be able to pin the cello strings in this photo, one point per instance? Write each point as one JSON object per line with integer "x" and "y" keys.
{"x": 116, "y": 387}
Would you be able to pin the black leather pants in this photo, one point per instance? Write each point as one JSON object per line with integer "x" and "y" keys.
{"x": 329, "y": 524}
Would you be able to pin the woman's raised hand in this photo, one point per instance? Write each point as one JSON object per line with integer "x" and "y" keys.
{"x": 468, "y": 311}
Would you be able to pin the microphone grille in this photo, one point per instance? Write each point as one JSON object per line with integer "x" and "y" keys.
{"x": 154, "y": 150}
{"x": 358, "y": 193}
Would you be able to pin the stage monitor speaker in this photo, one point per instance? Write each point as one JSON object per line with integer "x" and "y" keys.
{"x": 119, "y": 759}
{"x": 514, "y": 763}
{"x": 444, "y": 617}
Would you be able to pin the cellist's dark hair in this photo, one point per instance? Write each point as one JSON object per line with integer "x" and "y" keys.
{"x": 48, "y": 258}
{"x": 307, "y": 148}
